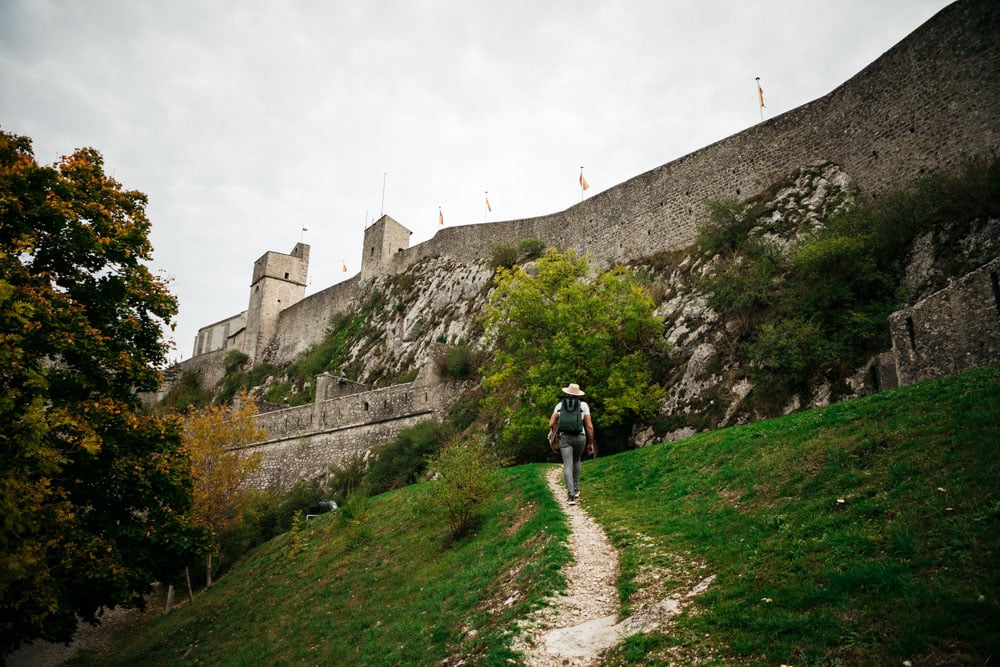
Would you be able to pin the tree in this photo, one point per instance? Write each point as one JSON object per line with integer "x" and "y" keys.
{"x": 220, "y": 472}
{"x": 558, "y": 324}
{"x": 94, "y": 494}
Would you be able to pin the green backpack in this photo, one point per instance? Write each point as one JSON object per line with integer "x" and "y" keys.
{"x": 571, "y": 415}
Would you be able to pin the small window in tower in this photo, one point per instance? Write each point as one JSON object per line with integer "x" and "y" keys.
{"x": 286, "y": 275}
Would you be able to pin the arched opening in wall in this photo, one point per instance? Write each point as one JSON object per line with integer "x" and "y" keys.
{"x": 912, "y": 333}
{"x": 366, "y": 406}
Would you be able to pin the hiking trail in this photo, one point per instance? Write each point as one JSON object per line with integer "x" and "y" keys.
{"x": 581, "y": 623}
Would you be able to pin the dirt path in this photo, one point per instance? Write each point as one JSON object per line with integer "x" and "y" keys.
{"x": 95, "y": 638}
{"x": 581, "y": 623}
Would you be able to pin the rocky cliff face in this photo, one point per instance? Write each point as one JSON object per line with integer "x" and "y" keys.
{"x": 438, "y": 300}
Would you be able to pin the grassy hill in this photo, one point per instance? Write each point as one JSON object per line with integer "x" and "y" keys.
{"x": 866, "y": 532}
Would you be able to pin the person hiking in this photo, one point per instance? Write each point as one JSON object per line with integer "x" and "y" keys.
{"x": 571, "y": 417}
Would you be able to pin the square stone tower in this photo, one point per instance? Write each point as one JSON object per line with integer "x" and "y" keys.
{"x": 279, "y": 280}
{"x": 383, "y": 239}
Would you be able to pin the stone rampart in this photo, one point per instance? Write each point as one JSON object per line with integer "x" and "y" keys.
{"x": 955, "y": 329}
{"x": 305, "y": 323}
{"x": 929, "y": 103}
{"x": 304, "y": 441}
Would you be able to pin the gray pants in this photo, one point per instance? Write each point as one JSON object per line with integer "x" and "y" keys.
{"x": 571, "y": 447}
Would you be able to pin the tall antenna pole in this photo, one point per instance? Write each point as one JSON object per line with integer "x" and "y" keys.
{"x": 382, "y": 211}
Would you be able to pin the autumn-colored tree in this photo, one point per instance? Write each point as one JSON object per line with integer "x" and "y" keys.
{"x": 221, "y": 472}
{"x": 94, "y": 495}
{"x": 562, "y": 323}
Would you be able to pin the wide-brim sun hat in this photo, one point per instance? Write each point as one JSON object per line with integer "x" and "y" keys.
{"x": 573, "y": 390}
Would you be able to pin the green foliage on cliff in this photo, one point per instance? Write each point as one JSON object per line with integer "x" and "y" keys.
{"x": 185, "y": 393}
{"x": 508, "y": 255}
{"x": 820, "y": 305}
{"x": 556, "y": 325}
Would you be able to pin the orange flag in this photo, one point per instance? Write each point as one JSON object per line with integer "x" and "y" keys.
{"x": 440, "y": 216}
{"x": 760, "y": 93}
{"x": 345, "y": 267}
{"x": 488, "y": 207}
{"x": 583, "y": 181}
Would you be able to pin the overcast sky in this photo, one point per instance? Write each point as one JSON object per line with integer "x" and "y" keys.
{"x": 247, "y": 121}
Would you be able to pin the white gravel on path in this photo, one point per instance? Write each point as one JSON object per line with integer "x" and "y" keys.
{"x": 581, "y": 623}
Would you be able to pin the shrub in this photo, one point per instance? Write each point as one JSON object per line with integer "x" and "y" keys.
{"x": 459, "y": 362}
{"x": 403, "y": 460}
{"x": 465, "y": 482}
{"x": 346, "y": 477}
{"x": 186, "y": 393}
{"x": 505, "y": 256}
{"x": 728, "y": 227}
{"x": 464, "y": 411}
{"x": 531, "y": 248}
{"x": 234, "y": 361}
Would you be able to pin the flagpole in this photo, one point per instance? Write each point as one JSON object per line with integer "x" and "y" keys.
{"x": 486, "y": 206}
{"x": 760, "y": 99}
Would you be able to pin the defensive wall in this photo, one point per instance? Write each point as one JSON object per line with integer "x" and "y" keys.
{"x": 929, "y": 103}
{"x": 305, "y": 441}
{"x": 952, "y": 330}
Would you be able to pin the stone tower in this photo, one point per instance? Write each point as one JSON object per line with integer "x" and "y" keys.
{"x": 279, "y": 280}
{"x": 383, "y": 239}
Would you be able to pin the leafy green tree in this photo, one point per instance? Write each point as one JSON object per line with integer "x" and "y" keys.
{"x": 558, "y": 324}
{"x": 94, "y": 495}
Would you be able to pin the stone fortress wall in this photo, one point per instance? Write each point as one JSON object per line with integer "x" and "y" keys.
{"x": 304, "y": 441}
{"x": 929, "y": 103}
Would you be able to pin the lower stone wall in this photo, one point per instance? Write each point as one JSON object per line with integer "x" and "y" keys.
{"x": 953, "y": 330}
{"x": 304, "y": 441}
{"x": 287, "y": 460}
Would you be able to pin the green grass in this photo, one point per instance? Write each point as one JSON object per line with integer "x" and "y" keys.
{"x": 865, "y": 533}
{"x": 390, "y": 591}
